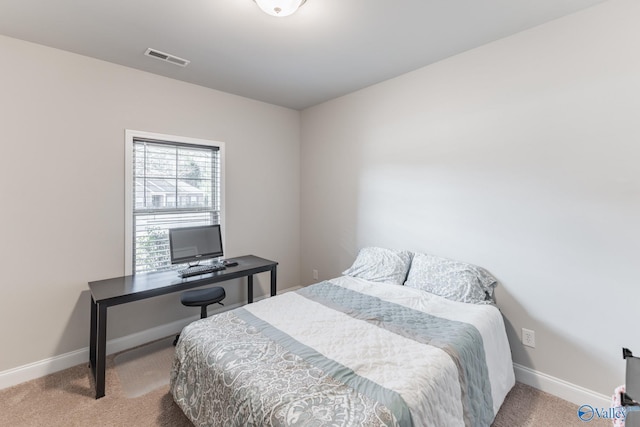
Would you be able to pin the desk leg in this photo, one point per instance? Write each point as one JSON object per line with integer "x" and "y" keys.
{"x": 93, "y": 336}
{"x": 250, "y": 288}
{"x": 101, "y": 350}
{"x": 273, "y": 281}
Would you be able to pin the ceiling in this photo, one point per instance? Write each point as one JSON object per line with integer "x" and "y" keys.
{"x": 327, "y": 49}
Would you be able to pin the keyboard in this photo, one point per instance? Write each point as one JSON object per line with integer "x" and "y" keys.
{"x": 200, "y": 269}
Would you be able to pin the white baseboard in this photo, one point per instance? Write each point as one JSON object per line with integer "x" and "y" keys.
{"x": 60, "y": 362}
{"x": 54, "y": 364}
{"x": 560, "y": 388}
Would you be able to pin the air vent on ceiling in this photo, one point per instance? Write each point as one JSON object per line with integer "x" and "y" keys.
{"x": 166, "y": 57}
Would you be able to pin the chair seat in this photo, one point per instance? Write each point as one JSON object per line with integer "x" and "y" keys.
{"x": 200, "y": 297}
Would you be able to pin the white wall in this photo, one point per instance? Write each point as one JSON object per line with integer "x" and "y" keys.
{"x": 63, "y": 118}
{"x": 521, "y": 156}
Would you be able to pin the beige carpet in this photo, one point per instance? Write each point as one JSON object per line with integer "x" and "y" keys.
{"x": 66, "y": 398}
{"x": 528, "y": 407}
{"x": 145, "y": 368}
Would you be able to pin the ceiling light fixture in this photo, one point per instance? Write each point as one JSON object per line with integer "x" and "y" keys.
{"x": 280, "y": 8}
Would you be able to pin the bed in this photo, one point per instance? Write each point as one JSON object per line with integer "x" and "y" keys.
{"x": 350, "y": 351}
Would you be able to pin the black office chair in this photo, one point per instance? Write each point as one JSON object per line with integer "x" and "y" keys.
{"x": 202, "y": 298}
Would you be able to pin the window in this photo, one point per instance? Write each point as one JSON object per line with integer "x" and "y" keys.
{"x": 171, "y": 182}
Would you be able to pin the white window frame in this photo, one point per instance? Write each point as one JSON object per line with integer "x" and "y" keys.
{"x": 130, "y": 135}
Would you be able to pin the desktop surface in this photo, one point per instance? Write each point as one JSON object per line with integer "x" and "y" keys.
{"x": 123, "y": 289}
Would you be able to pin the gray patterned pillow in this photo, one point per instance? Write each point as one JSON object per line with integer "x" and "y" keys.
{"x": 454, "y": 280}
{"x": 380, "y": 265}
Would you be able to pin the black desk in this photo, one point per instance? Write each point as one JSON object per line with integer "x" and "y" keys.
{"x": 121, "y": 290}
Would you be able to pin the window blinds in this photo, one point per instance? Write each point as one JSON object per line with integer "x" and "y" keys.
{"x": 174, "y": 185}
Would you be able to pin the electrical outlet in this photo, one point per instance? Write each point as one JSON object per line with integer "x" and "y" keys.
{"x": 528, "y": 337}
{"x": 315, "y": 274}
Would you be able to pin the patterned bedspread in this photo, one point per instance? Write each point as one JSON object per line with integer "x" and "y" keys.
{"x": 345, "y": 353}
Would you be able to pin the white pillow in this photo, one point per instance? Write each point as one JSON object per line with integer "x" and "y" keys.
{"x": 454, "y": 280}
{"x": 380, "y": 265}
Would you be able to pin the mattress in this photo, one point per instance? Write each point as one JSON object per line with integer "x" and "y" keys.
{"x": 345, "y": 352}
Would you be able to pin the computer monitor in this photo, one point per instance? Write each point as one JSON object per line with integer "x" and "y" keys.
{"x": 193, "y": 244}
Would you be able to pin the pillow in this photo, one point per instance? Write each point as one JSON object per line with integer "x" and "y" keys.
{"x": 380, "y": 265}
{"x": 454, "y": 280}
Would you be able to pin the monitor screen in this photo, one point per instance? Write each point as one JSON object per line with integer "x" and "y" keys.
{"x": 192, "y": 244}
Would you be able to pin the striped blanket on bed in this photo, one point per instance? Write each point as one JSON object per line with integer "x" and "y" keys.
{"x": 344, "y": 352}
